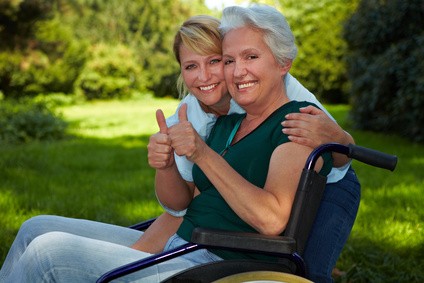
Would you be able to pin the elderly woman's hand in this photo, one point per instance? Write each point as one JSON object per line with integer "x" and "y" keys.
{"x": 160, "y": 153}
{"x": 184, "y": 139}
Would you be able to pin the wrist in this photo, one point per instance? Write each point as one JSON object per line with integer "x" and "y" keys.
{"x": 346, "y": 138}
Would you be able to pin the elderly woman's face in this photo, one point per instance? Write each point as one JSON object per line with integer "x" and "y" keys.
{"x": 251, "y": 71}
{"x": 204, "y": 76}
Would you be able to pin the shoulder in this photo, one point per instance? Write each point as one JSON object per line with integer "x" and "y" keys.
{"x": 294, "y": 106}
{"x": 195, "y": 113}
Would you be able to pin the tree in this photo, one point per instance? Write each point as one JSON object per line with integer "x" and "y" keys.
{"x": 51, "y": 40}
{"x": 17, "y": 19}
{"x": 38, "y": 54}
{"x": 317, "y": 26}
{"x": 146, "y": 26}
{"x": 386, "y": 66}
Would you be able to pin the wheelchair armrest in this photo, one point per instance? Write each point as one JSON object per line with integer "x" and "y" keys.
{"x": 244, "y": 241}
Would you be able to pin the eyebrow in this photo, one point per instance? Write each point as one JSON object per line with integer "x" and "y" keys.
{"x": 245, "y": 52}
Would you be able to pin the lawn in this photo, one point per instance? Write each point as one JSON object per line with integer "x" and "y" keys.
{"x": 100, "y": 172}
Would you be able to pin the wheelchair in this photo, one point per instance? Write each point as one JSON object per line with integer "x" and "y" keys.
{"x": 288, "y": 247}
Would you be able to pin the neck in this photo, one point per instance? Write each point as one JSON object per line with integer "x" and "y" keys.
{"x": 256, "y": 113}
{"x": 218, "y": 109}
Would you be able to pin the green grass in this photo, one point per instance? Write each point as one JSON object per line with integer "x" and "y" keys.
{"x": 101, "y": 173}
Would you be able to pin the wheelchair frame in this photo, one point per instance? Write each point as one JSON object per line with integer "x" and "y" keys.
{"x": 288, "y": 247}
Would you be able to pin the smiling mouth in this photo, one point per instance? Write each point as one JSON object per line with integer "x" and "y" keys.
{"x": 209, "y": 87}
{"x": 245, "y": 85}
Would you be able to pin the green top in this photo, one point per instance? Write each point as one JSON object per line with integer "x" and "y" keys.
{"x": 250, "y": 157}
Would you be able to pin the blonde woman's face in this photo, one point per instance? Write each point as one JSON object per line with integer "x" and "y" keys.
{"x": 204, "y": 76}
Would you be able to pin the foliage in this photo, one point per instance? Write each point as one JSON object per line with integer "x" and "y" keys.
{"x": 386, "y": 67}
{"x": 50, "y": 62}
{"x": 27, "y": 120}
{"x": 146, "y": 27}
{"x": 55, "y": 100}
{"x": 17, "y": 18}
{"x": 317, "y": 26}
{"x": 111, "y": 72}
{"x": 47, "y": 43}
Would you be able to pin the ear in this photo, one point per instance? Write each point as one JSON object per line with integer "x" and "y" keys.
{"x": 286, "y": 68}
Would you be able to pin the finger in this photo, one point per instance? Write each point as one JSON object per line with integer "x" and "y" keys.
{"x": 160, "y": 118}
{"x": 295, "y": 122}
{"x": 305, "y": 113}
{"x": 310, "y": 110}
{"x": 297, "y": 132}
{"x": 303, "y": 141}
{"x": 182, "y": 113}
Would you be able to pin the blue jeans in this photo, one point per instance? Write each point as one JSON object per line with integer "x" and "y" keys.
{"x": 58, "y": 249}
{"x": 332, "y": 227}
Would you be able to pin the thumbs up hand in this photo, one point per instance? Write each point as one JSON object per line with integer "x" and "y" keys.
{"x": 160, "y": 118}
{"x": 182, "y": 113}
{"x": 184, "y": 138}
{"x": 160, "y": 154}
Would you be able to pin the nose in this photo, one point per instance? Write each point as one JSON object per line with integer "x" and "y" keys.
{"x": 239, "y": 70}
{"x": 204, "y": 74}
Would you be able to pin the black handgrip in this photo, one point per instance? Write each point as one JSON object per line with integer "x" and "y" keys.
{"x": 373, "y": 157}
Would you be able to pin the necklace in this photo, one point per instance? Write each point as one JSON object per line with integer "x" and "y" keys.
{"x": 231, "y": 137}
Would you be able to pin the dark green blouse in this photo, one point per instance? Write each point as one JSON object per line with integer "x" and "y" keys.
{"x": 250, "y": 157}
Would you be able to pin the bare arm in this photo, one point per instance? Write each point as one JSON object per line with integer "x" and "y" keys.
{"x": 160, "y": 157}
{"x": 155, "y": 237}
{"x": 171, "y": 189}
{"x": 312, "y": 127}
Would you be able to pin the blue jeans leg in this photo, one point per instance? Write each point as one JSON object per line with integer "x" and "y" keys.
{"x": 332, "y": 226}
{"x": 58, "y": 249}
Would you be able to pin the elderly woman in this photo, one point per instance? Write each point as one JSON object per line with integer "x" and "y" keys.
{"x": 199, "y": 63}
{"x": 229, "y": 180}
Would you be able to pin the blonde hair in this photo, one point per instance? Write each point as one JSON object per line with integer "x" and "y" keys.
{"x": 201, "y": 35}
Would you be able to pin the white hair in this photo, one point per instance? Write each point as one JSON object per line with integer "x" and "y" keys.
{"x": 277, "y": 33}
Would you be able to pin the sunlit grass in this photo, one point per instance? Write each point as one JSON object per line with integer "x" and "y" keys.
{"x": 106, "y": 119}
{"x": 100, "y": 172}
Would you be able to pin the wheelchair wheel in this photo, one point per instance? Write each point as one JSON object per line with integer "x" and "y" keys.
{"x": 263, "y": 277}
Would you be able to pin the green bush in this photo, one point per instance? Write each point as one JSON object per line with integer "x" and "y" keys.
{"x": 167, "y": 87}
{"x": 318, "y": 29}
{"x": 111, "y": 72}
{"x": 386, "y": 67}
{"x": 54, "y": 100}
{"x": 51, "y": 67}
{"x": 27, "y": 120}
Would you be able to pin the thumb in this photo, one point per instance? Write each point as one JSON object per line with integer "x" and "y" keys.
{"x": 182, "y": 113}
{"x": 160, "y": 118}
{"x": 310, "y": 110}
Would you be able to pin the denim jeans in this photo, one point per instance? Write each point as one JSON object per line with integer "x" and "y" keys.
{"x": 332, "y": 227}
{"x": 58, "y": 249}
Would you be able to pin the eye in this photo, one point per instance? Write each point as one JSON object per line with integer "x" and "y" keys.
{"x": 251, "y": 57}
{"x": 215, "y": 61}
{"x": 228, "y": 61}
{"x": 189, "y": 67}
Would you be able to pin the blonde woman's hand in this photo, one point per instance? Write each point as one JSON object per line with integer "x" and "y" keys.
{"x": 160, "y": 153}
